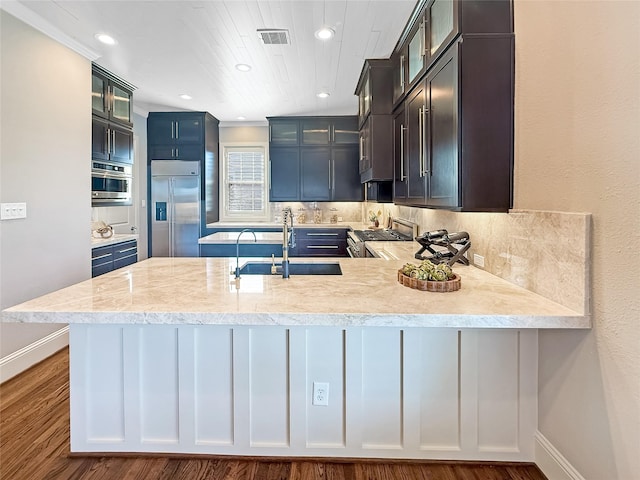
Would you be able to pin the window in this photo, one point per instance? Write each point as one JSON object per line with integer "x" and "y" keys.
{"x": 244, "y": 188}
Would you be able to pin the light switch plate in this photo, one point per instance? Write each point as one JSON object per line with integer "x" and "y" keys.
{"x": 13, "y": 211}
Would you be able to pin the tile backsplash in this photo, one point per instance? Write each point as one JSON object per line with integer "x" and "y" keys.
{"x": 545, "y": 252}
{"x": 319, "y": 212}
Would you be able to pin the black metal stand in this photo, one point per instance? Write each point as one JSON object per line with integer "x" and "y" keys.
{"x": 455, "y": 243}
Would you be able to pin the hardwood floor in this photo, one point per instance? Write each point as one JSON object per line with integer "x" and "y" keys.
{"x": 34, "y": 445}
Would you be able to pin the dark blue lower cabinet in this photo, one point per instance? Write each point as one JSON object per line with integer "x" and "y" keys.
{"x": 111, "y": 257}
{"x": 246, "y": 250}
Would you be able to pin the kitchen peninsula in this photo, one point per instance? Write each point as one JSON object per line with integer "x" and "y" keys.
{"x": 172, "y": 355}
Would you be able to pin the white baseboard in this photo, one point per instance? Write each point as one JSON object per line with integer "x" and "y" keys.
{"x": 552, "y": 462}
{"x": 26, "y": 357}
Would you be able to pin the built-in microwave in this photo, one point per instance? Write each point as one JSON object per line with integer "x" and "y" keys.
{"x": 111, "y": 184}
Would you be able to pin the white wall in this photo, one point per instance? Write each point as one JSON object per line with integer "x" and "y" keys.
{"x": 44, "y": 161}
{"x": 578, "y": 149}
{"x": 244, "y": 134}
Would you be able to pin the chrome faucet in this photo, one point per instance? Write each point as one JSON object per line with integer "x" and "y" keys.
{"x": 288, "y": 239}
{"x": 237, "y": 272}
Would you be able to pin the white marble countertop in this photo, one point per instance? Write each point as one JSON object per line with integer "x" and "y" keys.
{"x": 115, "y": 238}
{"x": 202, "y": 291}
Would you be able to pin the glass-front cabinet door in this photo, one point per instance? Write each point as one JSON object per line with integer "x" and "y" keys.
{"x": 121, "y": 109}
{"x": 316, "y": 132}
{"x": 399, "y": 74}
{"x": 283, "y": 132}
{"x": 99, "y": 90}
{"x": 345, "y": 131}
{"x": 442, "y": 25}
{"x": 417, "y": 52}
{"x": 364, "y": 100}
{"x": 109, "y": 100}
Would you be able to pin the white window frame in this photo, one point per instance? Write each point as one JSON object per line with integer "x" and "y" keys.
{"x": 225, "y": 215}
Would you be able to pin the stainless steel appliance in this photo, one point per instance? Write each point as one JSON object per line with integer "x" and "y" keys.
{"x": 175, "y": 208}
{"x": 110, "y": 184}
{"x": 401, "y": 230}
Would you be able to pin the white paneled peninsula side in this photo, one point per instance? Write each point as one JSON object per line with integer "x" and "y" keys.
{"x": 172, "y": 355}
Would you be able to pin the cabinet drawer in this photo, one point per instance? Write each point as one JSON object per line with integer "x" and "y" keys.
{"x": 320, "y": 233}
{"x": 124, "y": 261}
{"x": 125, "y": 249}
{"x": 321, "y": 248}
{"x": 101, "y": 255}
{"x": 108, "y": 258}
{"x": 101, "y": 269}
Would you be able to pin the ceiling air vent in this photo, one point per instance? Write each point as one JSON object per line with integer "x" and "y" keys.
{"x": 274, "y": 36}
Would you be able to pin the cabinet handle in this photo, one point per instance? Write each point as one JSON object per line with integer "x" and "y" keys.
{"x": 422, "y": 41}
{"x": 421, "y": 142}
{"x": 172, "y": 132}
{"x": 177, "y": 130}
{"x": 101, "y": 256}
{"x": 402, "y": 72}
{"x": 113, "y": 141}
{"x": 427, "y": 160}
{"x": 402, "y": 176}
{"x": 108, "y": 133}
{"x": 127, "y": 249}
{"x": 330, "y": 179}
{"x": 270, "y": 137}
{"x": 177, "y": 152}
{"x": 323, "y": 246}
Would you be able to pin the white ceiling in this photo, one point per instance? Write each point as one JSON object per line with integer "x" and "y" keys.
{"x": 166, "y": 48}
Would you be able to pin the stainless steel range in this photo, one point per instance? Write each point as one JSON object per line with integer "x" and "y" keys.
{"x": 400, "y": 231}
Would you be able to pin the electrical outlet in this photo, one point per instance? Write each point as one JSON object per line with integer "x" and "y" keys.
{"x": 320, "y": 393}
{"x": 478, "y": 260}
{"x": 339, "y": 219}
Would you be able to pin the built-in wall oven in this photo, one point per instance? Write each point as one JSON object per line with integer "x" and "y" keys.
{"x": 111, "y": 183}
{"x": 401, "y": 230}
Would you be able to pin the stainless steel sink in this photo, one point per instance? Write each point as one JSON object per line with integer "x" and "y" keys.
{"x": 264, "y": 268}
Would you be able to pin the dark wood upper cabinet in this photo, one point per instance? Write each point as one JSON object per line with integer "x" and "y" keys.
{"x": 434, "y": 26}
{"x": 177, "y": 135}
{"x": 453, "y": 145}
{"x": 446, "y": 19}
{"x": 315, "y": 174}
{"x": 374, "y": 89}
{"x": 284, "y": 173}
{"x": 314, "y": 159}
{"x": 111, "y": 117}
{"x": 284, "y": 132}
{"x": 110, "y": 141}
{"x": 111, "y": 98}
{"x": 376, "y": 86}
{"x": 345, "y": 176}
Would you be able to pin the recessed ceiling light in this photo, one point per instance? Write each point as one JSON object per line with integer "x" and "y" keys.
{"x": 106, "y": 39}
{"x": 185, "y": 96}
{"x": 323, "y": 94}
{"x": 325, "y": 33}
{"x": 243, "y": 67}
{"x": 241, "y": 118}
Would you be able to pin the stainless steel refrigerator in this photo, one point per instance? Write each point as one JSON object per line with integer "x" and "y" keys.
{"x": 175, "y": 208}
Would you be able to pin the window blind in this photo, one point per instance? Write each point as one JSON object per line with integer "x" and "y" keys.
{"x": 245, "y": 181}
